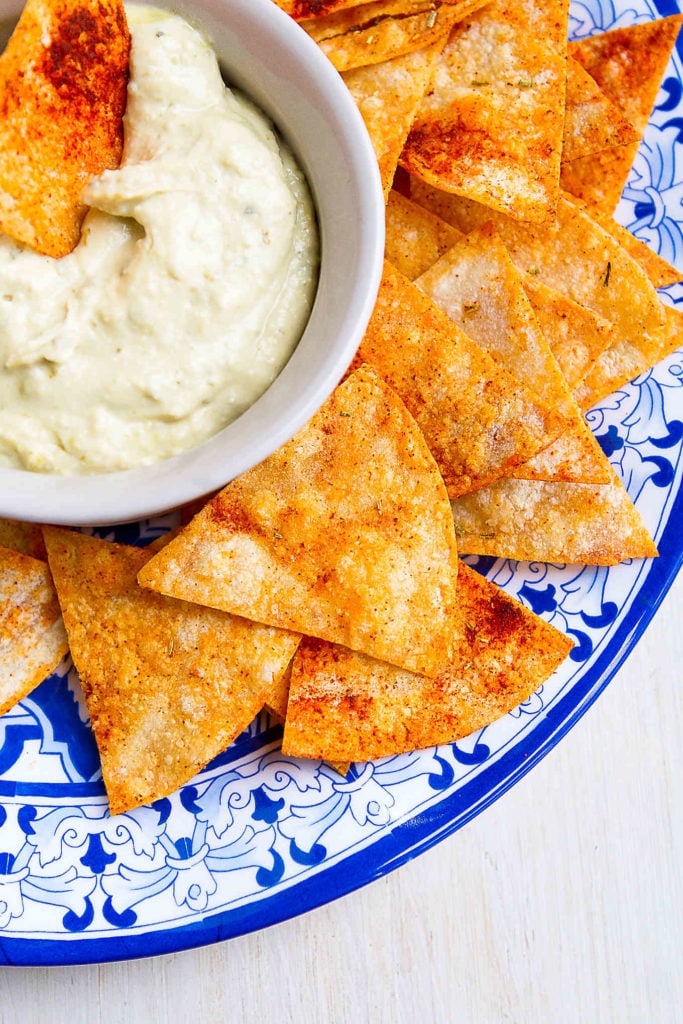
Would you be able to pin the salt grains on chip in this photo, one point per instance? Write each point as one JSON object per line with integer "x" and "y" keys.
{"x": 64, "y": 95}
{"x": 490, "y": 127}
{"x": 168, "y": 685}
{"x": 344, "y": 705}
{"x": 32, "y": 637}
{"x": 344, "y": 533}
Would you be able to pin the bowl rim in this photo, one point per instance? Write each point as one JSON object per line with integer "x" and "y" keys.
{"x": 134, "y": 494}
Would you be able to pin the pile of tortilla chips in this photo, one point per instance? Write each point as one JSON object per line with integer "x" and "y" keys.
{"x": 324, "y": 584}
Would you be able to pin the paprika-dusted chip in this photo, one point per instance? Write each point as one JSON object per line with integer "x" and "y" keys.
{"x": 490, "y": 128}
{"x": 628, "y": 64}
{"x": 576, "y": 335}
{"x": 387, "y": 96}
{"x": 592, "y": 121}
{"x": 574, "y": 457}
{"x": 575, "y": 255}
{"x": 345, "y": 530}
{"x": 384, "y": 29}
{"x": 415, "y": 238}
{"x": 32, "y": 637}
{"x": 531, "y": 520}
{"x": 63, "y": 80}
{"x": 302, "y": 9}
{"x": 168, "y": 684}
{"x": 24, "y": 537}
{"x": 346, "y": 705}
{"x": 478, "y": 420}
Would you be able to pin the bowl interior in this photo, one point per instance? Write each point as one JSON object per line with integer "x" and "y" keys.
{"x": 265, "y": 54}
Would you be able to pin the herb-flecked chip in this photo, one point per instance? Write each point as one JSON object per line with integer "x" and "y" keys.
{"x": 168, "y": 685}
{"x": 345, "y": 533}
{"x": 346, "y": 705}
{"x": 63, "y": 80}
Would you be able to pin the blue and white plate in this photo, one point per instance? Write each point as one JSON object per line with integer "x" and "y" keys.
{"x": 259, "y": 837}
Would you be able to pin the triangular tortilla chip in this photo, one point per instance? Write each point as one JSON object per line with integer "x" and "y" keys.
{"x": 63, "y": 80}
{"x": 621, "y": 363}
{"x": 168, "y": 685}
{"x": 387, "y": 96}
{"x": 535, "y": 521}
{"x": 576, "y": 335}
{"x": 478, "y": 421}
{"x": 384, "y": 29}
{"x": 24, "y": 537}
{"x": 576, "y": 256}
{"x": 491, "y": 126}
{"x": 345, "y": 705}
{"x": 476, "y": 284}
{"x": 574, "y": 457}
{"x": 344, "y": 533}
{"x": 32, "y": 637}
{"x": 592, "y": 121}
{"x": 658, "y": 270}
{"x": 415, "y": 238}
{"x": 628, "y": 64}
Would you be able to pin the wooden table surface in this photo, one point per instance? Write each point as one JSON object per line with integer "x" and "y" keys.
{"x": 563, "y": 902}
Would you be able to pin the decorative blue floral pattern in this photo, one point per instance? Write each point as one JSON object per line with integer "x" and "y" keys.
{"x": 258, "y": 836}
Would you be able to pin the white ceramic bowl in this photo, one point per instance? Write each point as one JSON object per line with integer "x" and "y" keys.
{"x": 264, "y": 53}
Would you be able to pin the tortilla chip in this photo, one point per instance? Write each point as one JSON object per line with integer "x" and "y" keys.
{"x": 574, "y": 457}
{"x": 477, "y": 286}
{"x": 536, "y": 521}
{"x": 415, "y": 238}
{"x": 592, "y": 121}
{"x": 32, "y": 637}
{"x": 660, "y": 273}
{"x": 628, "y": 64}
{"x": 24, "y": 537}
{"x": 346, "y": 705}
{"x": 344, "y": 533}
{"x": 380, "y": 31}
{"x": 478, "y": 421}
{"x": 576, "y": 256}
{"x": 168, "y": 685}
{"x": 491, "y": 126}
{"x": 621, "y": 363}
{"x": 387, "y": 96}
{"x": 576, "y": 335}
{"x": 63, "y": 79}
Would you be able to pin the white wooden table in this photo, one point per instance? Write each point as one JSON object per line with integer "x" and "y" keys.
{"x": 561, "y": 903}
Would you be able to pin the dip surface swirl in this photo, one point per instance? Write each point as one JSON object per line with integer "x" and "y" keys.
{"x": 190, "y": 287}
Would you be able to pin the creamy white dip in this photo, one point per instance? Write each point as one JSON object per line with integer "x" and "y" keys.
{"x": 188, "y": 291}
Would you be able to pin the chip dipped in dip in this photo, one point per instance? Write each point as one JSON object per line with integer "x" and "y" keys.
{"x": 190, "y": 287}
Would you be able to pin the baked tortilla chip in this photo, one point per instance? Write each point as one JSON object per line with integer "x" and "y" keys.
{"x": 32, "y": 637}
{"x": 628, "y": 64}
{"x": 658, "y": 270}
{"x": 575, "y": 255}
{"x": 576, "y": 335}
{"x": 387, "y": 96}
{"x": 574, "y": 457}
{"x": 536, "y": 521}
{"x": 168, "y": 685}
{"x": 345, "y": 705}
{"x": 63, "y": 80}
{"x": 621, "y": 363}
{"x": 24, "y": 537}
{"x": 478, "y": 421}
{"x": 344, "y": 533}
{"x": 592, "y": 121}
{"x": 415, "y": 238}
{"x": 490, "y": 128}
{"x": 379, "y": 31}
{"x": 476, "y": 284}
